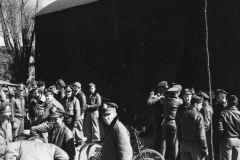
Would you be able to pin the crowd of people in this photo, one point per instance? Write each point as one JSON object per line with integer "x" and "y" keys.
{"x": 192, "y": 129}
{"x": 187, "y": 129}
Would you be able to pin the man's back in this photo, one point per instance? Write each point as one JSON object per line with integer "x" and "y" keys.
{"x": 30, "y": 150}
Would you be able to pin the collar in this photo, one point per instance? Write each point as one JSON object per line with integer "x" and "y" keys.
{"x": 233, "y": 107}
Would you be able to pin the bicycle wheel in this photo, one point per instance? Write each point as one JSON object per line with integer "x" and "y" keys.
{"x": 148, "y": 154}
{"x": 94, "y": 151}
{"x": 87, "y": 151}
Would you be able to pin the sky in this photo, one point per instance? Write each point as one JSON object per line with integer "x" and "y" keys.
{"x": 44, "y": 4}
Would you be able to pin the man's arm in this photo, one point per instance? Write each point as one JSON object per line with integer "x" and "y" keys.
{"x": 202, "y": 134}
{"x": 220, "y": 126}
{"x": 83, "y": 102}
{"x": 152, "y": 99}
{"x": 13, "y": 151}
{"x": 77, "y": 111}
{"x": 97, "y": 103}
{"x": 59, "y": 153}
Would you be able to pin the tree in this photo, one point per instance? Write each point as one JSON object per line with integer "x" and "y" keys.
{"x": 16, "y": 18}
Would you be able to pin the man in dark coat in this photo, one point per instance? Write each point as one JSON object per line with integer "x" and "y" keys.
{"x": 60, "y": 84}
{"x": 116, "y": 144}
{"x": 191, "y": 132}
{"x": 156, "y": 107}
{"x": 61, "y": 135}
{"x": 94, "y": 103}
{"x": 34, "y": 149}
{"x": 229, "y": 130}
{"x": 171, "y": 102}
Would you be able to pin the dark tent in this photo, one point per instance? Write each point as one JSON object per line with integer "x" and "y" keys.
{"x": 127, "y": 46}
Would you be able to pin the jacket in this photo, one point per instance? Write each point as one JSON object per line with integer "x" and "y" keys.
{"x": 60, "y": 95}
{"x": 72, "y": 108}
{"x": 18, "y": 107}
{"x": 63, "y": 138}
{"x": 116, "y": 143}
{"x": 83, "y": 101}
{"x": 156, "y": 107}
{"x": 31, "y": 150}
{"x": 207, "y": 113}
{"x": 192, "y": 127}
{"x": 229, "y": 123}
{"x": 95, "y": 102}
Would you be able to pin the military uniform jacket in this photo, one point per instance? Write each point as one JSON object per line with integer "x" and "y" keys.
{"x": 60, "y": 95}
{"x": 72, "y": 108}
{"x": 192, "y": 127}
{"x": 116, "y": 144}
{"x": 30, "y": 150}
{"x": 63, "y": 138}
{"x": 18, "y": 107}
{"x": 83, "y": 101}
{"x": 95, "y": 102}
{"x": 207, "y": 113}
{"x": 155, "y": 105}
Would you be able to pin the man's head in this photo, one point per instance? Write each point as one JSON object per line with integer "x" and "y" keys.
{"x": 187, "y": 96}
{"x": 34, "y": 84}
{"x": 109, "y": 112}
{"x": 179, "y": 87}
{"x": 68, "y": 90}
{"x": 92, "y": 88}
{"x": 5, "y": 110}
{"x": 53, "y": 89}
{"x": 60, "y": 84}
{"x": 37, "y": 94}
{"x": 232, "y": 100}
{"x": 56, "y": 116}
{"x": 41, "y": 85}
{"x": 161, "y": 86}
{"x": 49, "y": 95}
{"x": 221, "y": 96}
{"x": 197, "y": 102}
{"x": 5, "y": 90}
{"x": 21, "y": 90}
{"x": 3, "y": 96}
{"x": 76, "y": 87}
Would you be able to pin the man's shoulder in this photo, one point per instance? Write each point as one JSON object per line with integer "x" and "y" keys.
{"x": 119, "y": 127}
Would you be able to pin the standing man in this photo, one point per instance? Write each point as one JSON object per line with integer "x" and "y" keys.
{"x": 221, "y": 103}
{"x": 156, "y": 107}
{"x": 116, "y": 144}
{"x": 95, "y": 102}
{"x": 192, "y": 132}
{"x": 170, "y": 103}
{"x": 229, "y": 130}
{"x": 60, "y": 84}
{"x": 187, "y": 97}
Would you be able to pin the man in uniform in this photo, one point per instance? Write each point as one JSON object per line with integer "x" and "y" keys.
{"x": 187, "y": 96}
{"x": 156, "y": 108}
{"x": 192, "y": 132}
{"x": 116, "y": 144}
{"x": 171, "y": 102}
{"x": 34, "y": 149}
{"x": 41, "y": 84}
{"x": 60, "y": 84}
{"x": 95, "y": 102}
{"x": 229, "y": 130}
{"x": 218, "y": 107}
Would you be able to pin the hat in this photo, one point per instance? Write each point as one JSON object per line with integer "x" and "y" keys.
{"x": 56, "y": 112}
{"x": 51, "y": 87}
{"x": 5, "y": 108}
{"x": 232, "y": 100}
{"x": 178, "y": 86}
{"x": 196, "y": 99}
{"x": 203, "y": 95}
{"x": 61, "y": 83}
{"x": 48, "y": 91}
{"x": 187, "y": 91}
{"x": 92, "y": 84}
{"x": 21, "y": 88}
{"x": 109, "y": 107}
{"x": 221, "y": 91}
{"x": 162, "y": 84}
{"x": 173, "y": 89}
{"x": 77, "y": 84}
{"x": 68, "y": 88}
{"x": 40, "y": 83}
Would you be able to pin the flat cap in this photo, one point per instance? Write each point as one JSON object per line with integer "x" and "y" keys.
{"x": 173, "y": 89}
{"x": 52, "y": 87}
{"x": 77, "y": 84}
{"x": 187, "y": 91}
{"x": 41, "y": 83}
{"x": 203, "y": 95}
{"x": 196, "y": 99}
{"x": 232, "y": 100}
{"x": 5, "y": 108}
{"x": 92, "y": 84}
{"x": 48, "y": 91}
{"x": 68, "y": 88}
{"x": 56, "y": 112}
{"x": 178, "y": 86}
{"x": 221, "y": 91}
{"x": 109, "y": 107}
{"x": 162, "y": 84}
{"x": 61, "y": 83}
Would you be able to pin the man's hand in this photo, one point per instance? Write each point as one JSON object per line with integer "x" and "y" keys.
{"x": 205, "y": 152}
{"x": 26, "y": 132}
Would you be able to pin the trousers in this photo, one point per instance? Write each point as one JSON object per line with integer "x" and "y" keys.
{"x": 191, "y": 150}
{"x": 93, "y": 131}
{"x": 230, "y": 149}
{"x": 157, "y": 131}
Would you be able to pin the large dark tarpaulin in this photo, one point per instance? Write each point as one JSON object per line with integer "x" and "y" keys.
{"x": 127, "y": 46}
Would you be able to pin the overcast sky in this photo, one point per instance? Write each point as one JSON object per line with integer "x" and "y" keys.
{"x": 44, "y": 4}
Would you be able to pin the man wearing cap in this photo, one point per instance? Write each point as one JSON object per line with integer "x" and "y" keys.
{"x": 60, "y": 84}
{"x": 61, "y": 135}
{"x": 207, "y": 113}
{"x": 94, "y": 103}
{"x": 41, "y": 84}
{"x": 72, "y": 117}
{"x": 54, "y": 90}
{"x": 191, "y": 132}
{"x": 6, "y": 127}
{"x": 34, "y": 149}
{"x": 156, "y": 108}
{"x": 221, "y": 103}
{"x": 229, "y": 130}
{"x": 170, "y": 103}
{"x": 18, "y": 110}
{"x": 116, "y": 144}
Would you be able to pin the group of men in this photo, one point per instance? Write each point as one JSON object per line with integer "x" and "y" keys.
{"x": 192, "y": 126}
{"x": 55, "y": 116}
